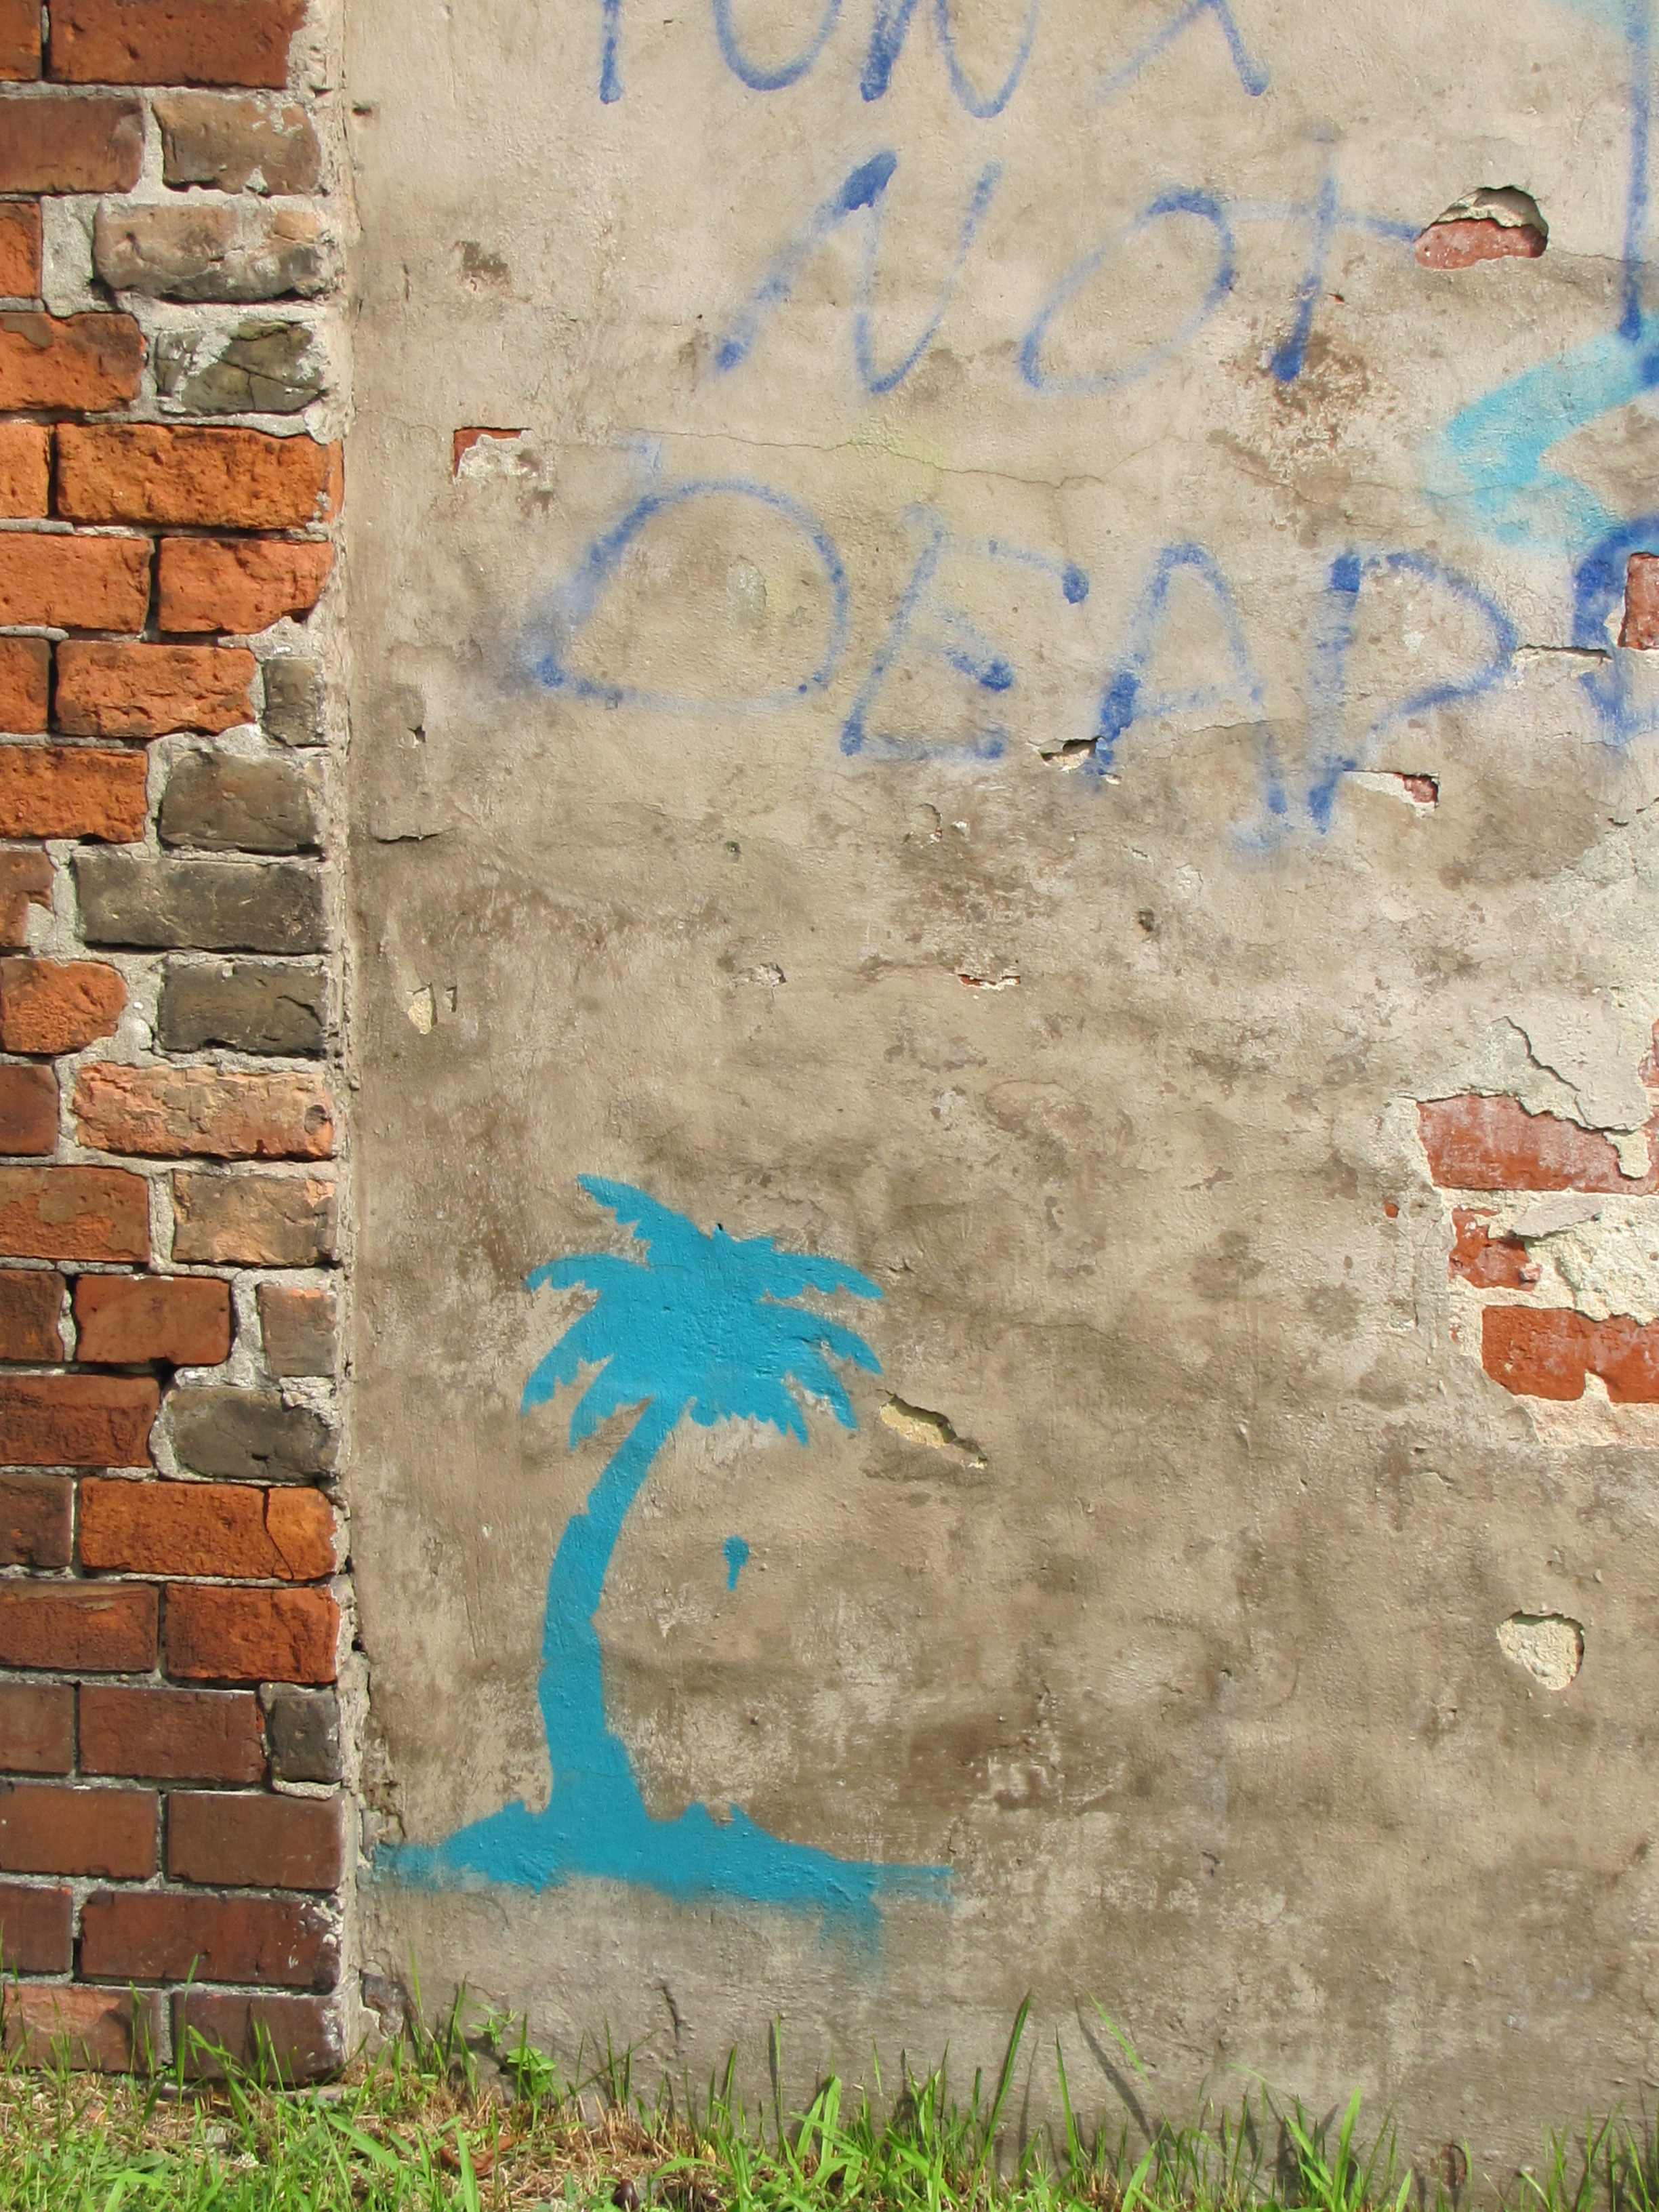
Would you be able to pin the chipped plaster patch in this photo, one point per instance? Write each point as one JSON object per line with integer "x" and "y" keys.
{"x": 1549, "y": 1646}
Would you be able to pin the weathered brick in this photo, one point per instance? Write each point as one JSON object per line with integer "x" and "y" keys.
{"x": 103, "y": 2031}
{"x": 1460, "y": 243}
{"x": 297, "y": 1329}
{"x": 253, "y": 1842}
{"x": 237, "y": 144}
{"x": 29, "y": 1111}
{"x": 25, "y": 470}
{"x": 123, "y": 1321}
{"x": 34, "y": 1929}
{"x": 1490, "y": 1262}
{"x": 25, "y": 683}
{"x": 80, "y": 361}
{"x": 30, "y": 1311}
{"x": 247, "y": 1005}
{"x": 37, "y": 1727}
{"x": 295, "y": 701}
{"x": 20, "y": 239}
{"x": 53, "y": 1827}
{"x": 222, "y": 803}
{"x": 249, "y": 1220}
{"x": 263, "y": 368}
{"x": 57, "y": 1005}
{"x": 1640, "y": 629}
{"x": 36, "y": 1525}
{"x": 234, "y": 42}
{"x": 171, "y": 1736}
{"x": 214, "y": 478}
{"x": 304, "y": 1729}
{"x": 233, "y": 250}
{"x": 74, "y": 1213}
{"x": 233, "y": 1529}
{"x": 147, "y": 690}
{"x": 86, "y": 1628}
{"x": 162, "y": 1113}
{"x": 217, "y": 1634}
{"x": 300, "y": 2037}
{"x": 76, "y": 1420}
{"x": 62, "y": 582}
{"x": 1547, "y": 1352}
{"x": 20, "y": 39}
{"x": 1494, "y": 1144}
{"x": 279, "y": 1942}
{"x": 63, "y": 791}
{"x": 238, "y": 584}
{"x": 219, "y": 906}
{"x": 250, "y": 1436}
{"x": 67, "y": 142}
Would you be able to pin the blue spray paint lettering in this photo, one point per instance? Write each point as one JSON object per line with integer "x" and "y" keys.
{"x": 893, "y": 27}
{"x": 1202, "y": 206}
{"x": 737, "y": 1559}
{"x": 1251, "y": 74}
{"x": 709, "y": 1329}
{"x": 610, "y": 73}
{"x": 1598, "y": 589}
{"x": 775, "y": 80}
{"x": 1126, "y": 700}
{"x": 552, "y": 640}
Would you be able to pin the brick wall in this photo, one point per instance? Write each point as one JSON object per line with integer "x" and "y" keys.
{"x": 171, "y": 1604}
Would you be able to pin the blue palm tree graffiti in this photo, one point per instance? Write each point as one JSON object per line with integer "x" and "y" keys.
{"x": 709, "y": 1330}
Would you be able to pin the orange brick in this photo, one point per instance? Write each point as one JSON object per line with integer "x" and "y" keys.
{"x": 36, "y": 1520}
{"x": 37, "y": 1727}
{"x": 1640, "y": 629}
{"x": 81, "y": 1628}
{"x": 212, "y": 478}
{"x": 248, "y": 1635}
{"x": 60, "y": 365}
{"x": 20, "y": 244}
{"x": 171, "y": 1736}
{"x": 238, "y": 584}
{"x": 25, "y": 470}
{"x": 25, "y": 685}
{"x": 69, "y": 791}
{"x": 28, "y": 1111}
{"x": 253, "y": 1842}
{"x": 126, "y": 1320}
{"x": 30, "y": 1311}
{"x": 52, "y": 1827}
{"x": 174, "y": 41}
{"x": 50, "y": 1006}
{"x": 1460, "y": 244}
{"x": 61, "y": 582}
{"x": 233, "y": 1529}
{"x": 166, "y": 1112}
{"x": 74, "y": 1213}
{"x": 149, "y": 690}
{"x": 20, "y": 39}
{"x": 76, "y": 1420}
{"x": 72, "y": 143}
{"x": 99, "y": 2030}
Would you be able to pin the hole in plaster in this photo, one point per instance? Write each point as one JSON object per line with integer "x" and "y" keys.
{"x": 919, "y": 1424}
{"x": 1422, "y": 791}
{"x": 1494, "y": 223}
{"x": 1548, "y": 1645}
{"x": 423, "y": 1011}
{"x": 1008, "y": 983}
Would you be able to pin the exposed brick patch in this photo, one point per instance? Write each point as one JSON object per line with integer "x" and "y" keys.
{"x": 1494, "y": 1144}
{"x": 239, "y": 584}
{"x": 281, "y": 1943}
{"x": 171, "y": 1736}
{"x": 1547, "y": 1352}
{"x": 260, "y": 1843}
{"x": 216, "y": 480}
{"x": 50, "y": 1006}
{"x": 463, "y": 440}
{"x": 1460, "y": 243}
{"x": 1492, "y": 1263}
{"x": 215, "y": 1635}
{"x": 146, "y": 691}
{"x": 28, "y": 1111}
{"x": 72, "y": 143}
{"x": 70, "y": 791}
{"x": 173, "y": 41}
{"x": 224, "y": 1529}
{"x": 236, "y": 144}
{"x": 36, "y": 1520}
{"x": 163, "y": 1112}
{"x": 76, "y": 1420}
{"x": 108, "y": 2031}
{"x": 25, "y": 470}
{"x": 125, "y": 1321}
{"x": 250, "y": 1221}
{"x": 297, "y": 1329}
{"x": 20, "y": 242}
{"x": 1639, "y": 630}
{"x": 300, "y": 2035}
{"x": 37, "y": 1727}
{"x": 51, "y": 1827}
{"x": 34, "y": 1929}
{"x": 59, "y": 582}
{"x": 25, "y": 680}
{"x": 74, "y": 1213}
{"x": 20, "y": 39}
{"x": 54, "y": 366}
{"x": 30, "y": 1307}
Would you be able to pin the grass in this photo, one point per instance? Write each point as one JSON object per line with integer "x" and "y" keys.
{"x": 416, "y": 2128}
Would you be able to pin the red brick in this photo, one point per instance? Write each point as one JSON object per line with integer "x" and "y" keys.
{"x": 216, "y": 1635}
{"x": 148, "y": 690}
{"x": 72, "y": 791}
{"x": 35, "y": 1929}
{"x": 76, "y": 1420}
{"x": 153, "y": 1936}
{"x": 20, "y": 239}
{"x": 102, "y": 2031}
{"x": 25, "y": 470}
{"x": 230, "y": 1528}
{"x": 50, "y": 1006}
{"x": 37, "y": 1727}
{"x": 25, "y": 680}
{"x": 56, "y": 365}
{"x": 1538, "y": 1351}
{"x": 1494, "y": 1144}
{"x": 251, "y": 1220}
{"x": 239, "y": 584}
{"x": 35, "y": 1520}
{"x": 299, "y": 2036}
{"x": 124, "y": 1321}
{"x": 51, "y": 1827}
{"x": 1640, "y": 628}
{"x": 1624, "y": 1354}
{"x": 173, "y": 41}
{"x": 212, "y": 478}
{"x": 1493, "y": 1263}
{"x": 254, "y": 1843}
{"x": 61, "y": 141}
{"x": 91, "y": 1628}
{"x": 31, "y": 1309}
{"x": 74, "y": 1213}
{"x": 1460, "y": 244}
{"x": 163, "y": 1112}
{"x": 171, "y": 1735}
{"x": 28, "y": 1111}
{"x": 58, "y": 581}
{"x": 20, "y": 39}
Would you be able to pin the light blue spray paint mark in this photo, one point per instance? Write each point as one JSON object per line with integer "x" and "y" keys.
{"x": 551, "y": 640}
{"x": 610, "y": 75}
{"x": 1126, "y": 702}
{"x": 1638, "y": 43}
{"x": 709, "y": 1330}
{"x": 1203, "y": 206}
{"x": 893, "y": 27}
{"x": 764, "y": 80}
{"x": 1251, "y": 74}
{"x": 737, "y": 1559}
{"x": 864, "y": 190}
